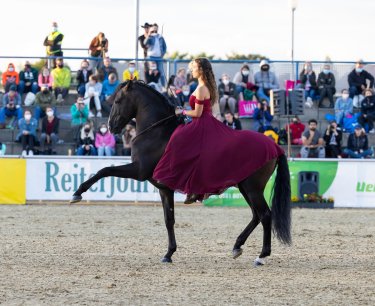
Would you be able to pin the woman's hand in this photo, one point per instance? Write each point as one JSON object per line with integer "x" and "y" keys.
{"x": 178, "y": 111}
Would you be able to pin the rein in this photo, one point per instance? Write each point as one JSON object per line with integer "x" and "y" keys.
{"x": 153, "y": 125}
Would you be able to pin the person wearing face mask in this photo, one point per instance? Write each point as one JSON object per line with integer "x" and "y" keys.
{"x": 98, "y": 49}
{"x": 296, "y": 128}
{"x": 105, "y": 70}
{"x": 27, "y": 134}
{"x": 61, "y": 80}
{"x": 326, "y": 85}
{"x": 86, "y": 141}
{"x": 312, "y": 142}
{"x": 367, "y": 116}
{"x": 53, "y": 43}
{"x": 43, "y": 99}
{"x": 45, "y": 78}
{"x": 153, "y": 76}
{"x": 131, "y": 73}
{"x": 332, "y": 137}
{"x": 109, "y": 86}
{"x": 308, "y": 81}
{"x": 358, "y": 144}
{"x": 105, "y": 141}
{"x": 11, "y": 108}
{"x": 50, "y": 131}
{"x": 92, "y": 96}
{"x": 243, "y": 80}
{"x": 83, "y": 76}
{"x": 227, "y": 93}
{"x": 358, "y": 78}
{"x": 343, "y": 106}
{"x": 265, "y": 80}
{"x": 80, "y": 114}
{"x": 28, "y": 80}
{"x": 10, "y": 77}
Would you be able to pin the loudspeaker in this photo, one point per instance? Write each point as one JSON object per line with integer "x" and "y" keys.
{"x": 296, "y": 101}
{"x": 287, "y": 105}
{"x": 277, "y": 102}
{"x": 308, "y": 183}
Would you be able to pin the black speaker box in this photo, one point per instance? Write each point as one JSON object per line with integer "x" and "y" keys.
{"x": 308, "y": 183}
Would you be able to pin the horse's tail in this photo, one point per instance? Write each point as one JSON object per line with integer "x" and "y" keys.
{"x": 281, "y": 219}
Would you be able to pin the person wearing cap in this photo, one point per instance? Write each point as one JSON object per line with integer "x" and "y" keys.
{"x": 11, "y": 108}
{"x": 98, "y": 49}
{"x": 368, "y": 111}
{"x": 326, "y": 85}
{"x": 227, "y": 94}
{"x": 43, "y": 99}
{"x": 10, "y": 77}
{"x": 358, "y": 78}
{"x": 53, "y": 43}
{"x": 141, "y": 40}
{"x": 61, "y": 80}
{"x": 332, "y": 137}
{"x": 312, "y": 142}
{"x": 28, "y": 80}
{"x": 131, "y": 73}
{"x": 343, "y": 107}
{"x": 83, "y": 76}
{"x": 265, "y": 80}
{"x": 358, "y": 144}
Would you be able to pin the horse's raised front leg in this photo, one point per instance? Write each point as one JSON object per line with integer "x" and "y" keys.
{"x": 167, "y": 198}
{"x": 124, "y": 171}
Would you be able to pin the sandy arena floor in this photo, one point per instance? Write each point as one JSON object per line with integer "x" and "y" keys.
{"x": 110, "y": 255}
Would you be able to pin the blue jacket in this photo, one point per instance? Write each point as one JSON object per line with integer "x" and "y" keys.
{"x": 345, "y": 106}
{"x": 150, "y": 42}
{"x": 108, "y": 88}
{"x": 262, "y": 118}
{"x": 266, "y": 79}
{"x": 24, "y": 126}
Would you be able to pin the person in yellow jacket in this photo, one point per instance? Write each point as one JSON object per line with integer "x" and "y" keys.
{"x": 131, "y": 73}
{"x": 61, "y": 80}
{"x": 53, "y": 43}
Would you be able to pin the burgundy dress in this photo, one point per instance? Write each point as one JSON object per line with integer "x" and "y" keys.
{"x": 206, "y": 157}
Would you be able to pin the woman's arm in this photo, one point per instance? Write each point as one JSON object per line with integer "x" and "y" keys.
{"x": 201, "y": 95}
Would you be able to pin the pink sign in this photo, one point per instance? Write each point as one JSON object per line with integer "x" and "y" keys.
{"x": 246, "y": 108}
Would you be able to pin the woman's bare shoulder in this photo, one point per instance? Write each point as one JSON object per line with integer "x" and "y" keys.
{"x": 202, "y": 92}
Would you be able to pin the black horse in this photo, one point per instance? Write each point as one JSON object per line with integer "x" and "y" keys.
{"x": 156, "y": 121}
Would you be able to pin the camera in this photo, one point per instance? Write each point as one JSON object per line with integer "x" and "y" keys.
{"x": 103, "y": 43}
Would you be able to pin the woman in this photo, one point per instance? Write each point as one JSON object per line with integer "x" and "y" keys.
{"x": 92, "y": 96}
{"x": 45, "y": 78}
{"x": 83, "y": 76}
{"x": 243, "y": 80}
{"x": 27, "y": 134}
{"x": 98, "y": 48}
{"x": 50, "y": 131}
{"x": 205, "y": 156}
{"x": 332, "y": 137}
{"x": 343, "y": 107}
{"x": 127, "y": 138}
{"x": 105, "y": 141}
{"x": 86, "y": 140}
{"x": 308, "y": 81}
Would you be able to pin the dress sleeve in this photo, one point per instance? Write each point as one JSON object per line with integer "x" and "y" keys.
{"x": 200, "y": 102}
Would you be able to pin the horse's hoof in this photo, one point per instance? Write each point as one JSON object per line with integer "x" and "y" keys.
{"x": 166, "y": 260}
{"x": 259, "y": 262}
{"x": 75, "y": 199}
{"x": 237, "y": 253}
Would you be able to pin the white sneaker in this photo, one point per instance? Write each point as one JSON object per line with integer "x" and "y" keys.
{"x": 24, "y": 153}
{"x": 309, "y": 100}
{"x": 91, "y": 115}
{"x": 31, "y": 153}
{"x": 99, "y": 114}
{"x": 59, "y": 98}
{"x": 372, "y": 131}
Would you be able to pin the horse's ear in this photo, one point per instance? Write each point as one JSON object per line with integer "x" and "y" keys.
{"x": 129, "y": 85}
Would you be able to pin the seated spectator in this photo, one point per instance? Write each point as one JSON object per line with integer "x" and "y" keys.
{"x": 232, "y": 122}
{"x": 171, "y": 93}
{"x": 181, "y": 87}
{"x": 61, "y": 80}
{"x": 131, "y": 73}
{"x": 326, "y": 85}
{"x": 358, "y": 144}
{"x": 92, "y": 100}
{"x": 50, "y": 132}
{"x": 127, "y": 137}
{"x": 296, "y": 128}
{"x": 109, "y": 86}
{"x": 332, "y": 137}
{"x": 45, "y": 78}
{"x": 27, "y": 135}
{"x": 262, "y": 117}
{"x": 3, "y": 149}
{"x": 308, "y": 82}
{"x": 98, "y": 49}
{"x": 312, "y": 142}
{"x": 343, "y": 107}
{"x": 43, "y": 99}
{"x": 357, "y": 79}
{"x": 105, "y": 142}
{"x": 11, "y": 108}
{"x": 227, "y": 93}
{"x": 266, "y": 81}
{"x": 86, "y": 140}
{"x": 153, "y": 76}
{"x": 10, "y": 77}
{"x": 80, "y": 114}
{"x": 28, "y": 80}
{"x": 368, "y": 111}
{"x": 105, "y": 70}
{"x": 242, "y": 80}
{"x": 83, "y": 76}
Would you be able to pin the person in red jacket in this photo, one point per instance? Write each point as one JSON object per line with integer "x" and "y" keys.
{"x": 296, "y": 130}
{"x": 10, "y": 77}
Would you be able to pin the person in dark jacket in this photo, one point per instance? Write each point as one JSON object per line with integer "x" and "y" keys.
{"x": 141, "y": 40}
{"x": 326, "y": 85}
{"x": 227, "y": 94}
{"x": 368, "y": 110}
{"x": 105, "y": 70}
{"x": 86, "y": 141}
{"x": 28, "y": 80}
{"x": 357, "y": 79}
{"x": 263, "y": 117}
{"x": 232, "y": 122}
{"x": 83, "y": 76}
{"x": 308, "y": 81}
{"x": 358, "y": 144}
{"x": 332, "y": 137}
{"x": 50, "y": 131}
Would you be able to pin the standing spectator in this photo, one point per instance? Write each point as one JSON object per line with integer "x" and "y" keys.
{"x": 242, "y": 80}
{"x": 80, "y": 114}
{"x": 358, "y": 144}
{"x": 332, "y": 137}
{"x": 105, "y": 141}
{"x": 156, "y": 49}
{"x": 109, "y": 86}
{"x": 83, "y": 76}
{"x": 105, "y": 70}
{"x": 10, "y": 77}
{"x": 141, "y": 40}
{"x": 50, "y": 132}
{"x": 312, "y": 142}
{"x": 153, "y": 76}
{"x": 368, "y": 111}
{"x": 227, "y": 94}
{"x": 131, "y": 73}
{"x": 44, "y": 99}
{"x": 28, "y": 80}
{"x": 27, "y": 134}
{"x": 357, "y": 79}
{"x": 343, "y": 106}
{"x": 266, "y": 81}
{"x": 263, "y": 117}
{"x": 45, "y": 78}
{"x": 127, "y": 137}
{"x": 326, "y": 85}
{"x": 53, "y": 43}
{"x": 232, "y": 122}
{"x": 92, "y": 100}
{"x": 61, "y": 80}
{"x": 86, "y": 140}
{"x": 308, "y": 81}
{"x": 11, "y": 108}
{"x": 98, "y": 49}
{"x": 296, "y": 129}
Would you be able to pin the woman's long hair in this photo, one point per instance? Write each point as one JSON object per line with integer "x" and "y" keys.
{"x": 208, "y": 77}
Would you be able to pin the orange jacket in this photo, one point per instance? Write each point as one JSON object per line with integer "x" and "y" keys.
{"x": 11, "y": 76}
